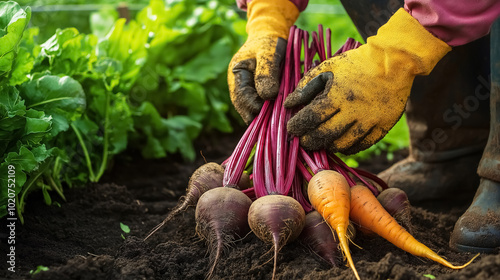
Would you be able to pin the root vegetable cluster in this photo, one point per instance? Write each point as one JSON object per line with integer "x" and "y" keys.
{"x": 273, "y": 187}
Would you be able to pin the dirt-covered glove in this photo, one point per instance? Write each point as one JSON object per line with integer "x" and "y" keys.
{"x": 357, "y": 97}
{"x": 254, "y": 71}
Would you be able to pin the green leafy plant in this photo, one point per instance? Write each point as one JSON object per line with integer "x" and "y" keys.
{"x": 125, "y": 229}
{"x": 32, "y": 113}
{"x": 39, "y": 269}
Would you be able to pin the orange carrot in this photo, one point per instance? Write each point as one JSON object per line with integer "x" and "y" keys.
{"x": 367, "y": 212}
{"x": 330, "y": 195}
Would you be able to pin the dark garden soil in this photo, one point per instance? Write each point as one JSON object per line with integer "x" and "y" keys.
{"x": 82, "y": 239}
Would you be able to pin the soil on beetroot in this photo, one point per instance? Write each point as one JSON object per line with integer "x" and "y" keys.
{"x": 82, "y": 238}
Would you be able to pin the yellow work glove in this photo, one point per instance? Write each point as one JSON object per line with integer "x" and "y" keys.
{"x": 254, "y": 71}
{"x": 355, "y": 98}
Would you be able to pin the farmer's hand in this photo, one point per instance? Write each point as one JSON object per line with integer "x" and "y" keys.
{"x": 357, "y": 97}
{"x": 254, "y": 71}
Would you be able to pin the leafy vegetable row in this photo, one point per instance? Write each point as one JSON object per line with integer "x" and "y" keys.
{"x": 73, "y": 102}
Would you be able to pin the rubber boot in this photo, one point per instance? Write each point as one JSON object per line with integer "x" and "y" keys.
{"x": 478, "y": 229}
{"x": 447, "y": 114}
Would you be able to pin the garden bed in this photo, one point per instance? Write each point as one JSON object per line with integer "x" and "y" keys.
{"x": 82, "y": 239}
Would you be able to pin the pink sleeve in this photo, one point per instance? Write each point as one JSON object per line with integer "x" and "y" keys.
{"x": 456, "y": 22}
{"x": 301, "y": 4}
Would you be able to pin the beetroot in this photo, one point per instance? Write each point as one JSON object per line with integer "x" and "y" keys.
{"x": 221, "y": 217}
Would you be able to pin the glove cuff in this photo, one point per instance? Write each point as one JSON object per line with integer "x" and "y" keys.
{"x": 271, "y": 18}
{"x": 403, "y": 34}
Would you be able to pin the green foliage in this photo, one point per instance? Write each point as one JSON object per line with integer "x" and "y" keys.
{"x": 13, "y": 21}
{"x": 125, "y": 228}
{"x": 39, "y": 269}
{"x": 24, "y": 130}
{"x": 60, "y": 97}
{"x": 73, "y": 102}
{"x": 75, "y": 2}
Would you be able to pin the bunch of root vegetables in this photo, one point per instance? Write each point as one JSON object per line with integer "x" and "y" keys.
{"x": 273, "y": 187}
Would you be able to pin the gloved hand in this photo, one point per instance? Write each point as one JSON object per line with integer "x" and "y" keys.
{"x": 357, "y": 97}
{"x": 254, "y": 71}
